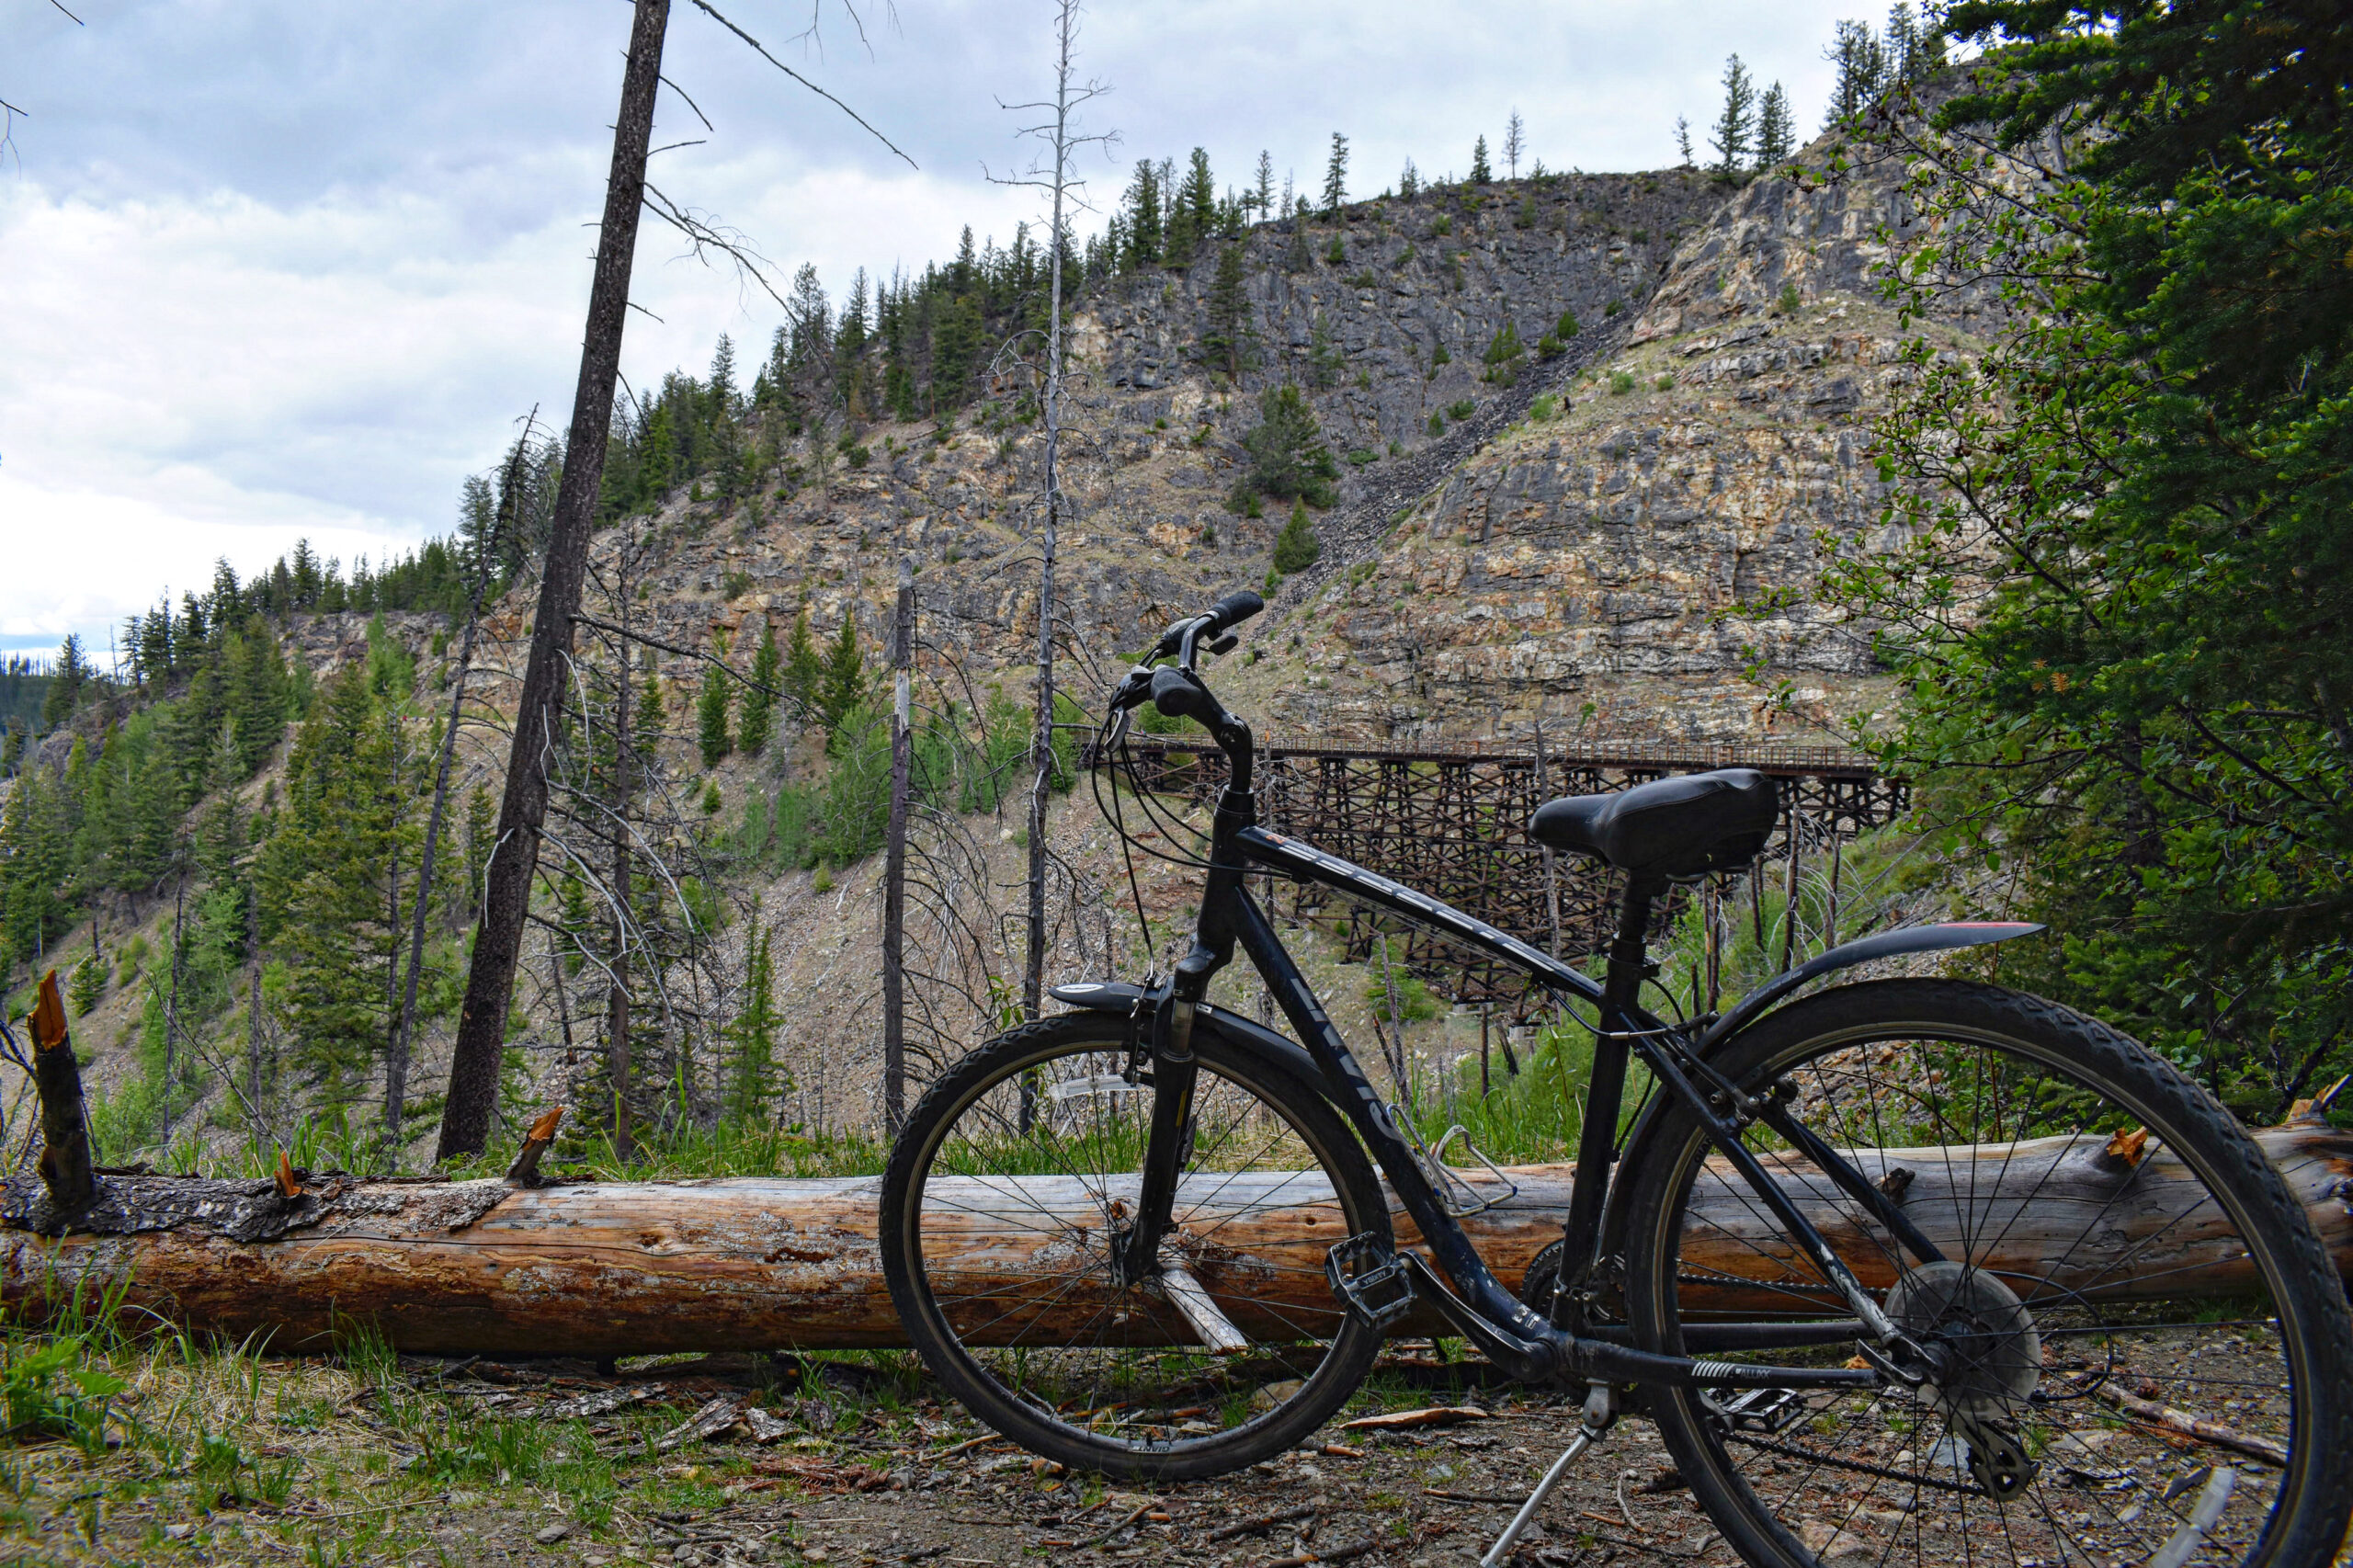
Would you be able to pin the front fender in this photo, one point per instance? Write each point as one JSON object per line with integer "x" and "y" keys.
{"x": 1780, "y": 988}
{"x": 1119, "y": 997}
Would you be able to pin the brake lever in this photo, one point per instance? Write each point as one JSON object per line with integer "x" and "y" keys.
{"x": 1223, "y": 644}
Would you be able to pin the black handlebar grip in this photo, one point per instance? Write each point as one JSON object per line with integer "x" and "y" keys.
{"x": 1177, "y": 697}
{"x": 1233, "y": 610}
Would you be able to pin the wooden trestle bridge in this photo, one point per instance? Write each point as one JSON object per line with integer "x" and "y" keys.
{"x": 1452, "y": 823}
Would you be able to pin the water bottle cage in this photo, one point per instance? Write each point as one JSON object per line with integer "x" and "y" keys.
{"x": 1371, "y": 1278}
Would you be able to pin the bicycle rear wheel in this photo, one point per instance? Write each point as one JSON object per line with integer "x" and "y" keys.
{"x": 2148, "y": 1348}
{"x": 999, "y": 1208}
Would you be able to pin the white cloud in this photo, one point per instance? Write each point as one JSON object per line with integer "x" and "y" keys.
{"x": 277, "y": 270}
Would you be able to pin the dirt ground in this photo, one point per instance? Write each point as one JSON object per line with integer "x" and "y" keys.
{"x": 728, "y": 1460}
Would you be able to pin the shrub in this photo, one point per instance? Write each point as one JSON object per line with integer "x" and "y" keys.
{"x": 1442, "y": 225}
{"x": 1289, "y": 458}
{"x": 1438, "y": 423}
{"x": 1664, "y": 383}
{"x": 1788, "y": 299}
{"x": 1567, "y": 328}
{"x": 1297, "y": 548}
{"x": 1503, "y": 354}
{"x": 1613, "y": 307}
{"x": 1545, "y": 407}
{"x": 1461, "y": 410}
{"x": 1337, "y": 253}
{"x": 1621, "y": 384}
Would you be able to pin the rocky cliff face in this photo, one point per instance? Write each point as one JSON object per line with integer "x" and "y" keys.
{"x": 1387, "y": 340}
{"x": 1624, "y": 536}
{"x": 1642, "y": 563}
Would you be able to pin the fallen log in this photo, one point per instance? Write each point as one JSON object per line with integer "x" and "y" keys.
{"x": 608, "y": 1268}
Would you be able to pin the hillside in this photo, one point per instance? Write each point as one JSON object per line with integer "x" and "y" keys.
{"x": 1587, "y": 429}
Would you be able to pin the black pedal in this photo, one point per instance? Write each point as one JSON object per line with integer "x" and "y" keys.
{"x": 1763, "y": 1410}
{"x": 1371, "y": 1278}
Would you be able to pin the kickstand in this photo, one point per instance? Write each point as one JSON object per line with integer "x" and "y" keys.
{"x": 1598, "y": 1415}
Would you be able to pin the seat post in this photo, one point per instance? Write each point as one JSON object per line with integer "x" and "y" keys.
{"x": 1598, "y": 1143}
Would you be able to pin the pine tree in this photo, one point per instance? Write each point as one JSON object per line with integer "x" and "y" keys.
{"x": 1409, "y": 183}
{"x": 1683, "y": 141}
{"x": 65, "y": 684}
{"x": 1773, "y": 132}
{"x": 751, "y": 1068}
{"x": 1901, "y": 48}
{"x": 760, "y": 702}
{"x": 1514, "y": 141}
{"x": 1288, "y": 455}
{"x": 1146, "y": 232}
{"x": 1480, "y": 172}
{"x": 1861, "y": 65}
{"x": 1736, "y": 127}
{"x": 1335, "y": 177}
{"x": 711, "y": 717}
{"x": 805, "y": 670}
{"x": 843, "y": 686}
{"x": 481, "y": 834}
{"x": 1264, "y": 195}
{"x": 1229, "y": 312}
{"x": 1297, "y": 548}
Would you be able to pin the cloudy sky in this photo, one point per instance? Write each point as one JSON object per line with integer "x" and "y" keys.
{"x": 271, "y": 269}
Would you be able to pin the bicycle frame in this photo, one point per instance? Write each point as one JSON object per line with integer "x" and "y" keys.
{"x": 1469, "y": 1297}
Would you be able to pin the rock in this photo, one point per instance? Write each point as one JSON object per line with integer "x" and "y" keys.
{"x": 550, "y": 1534}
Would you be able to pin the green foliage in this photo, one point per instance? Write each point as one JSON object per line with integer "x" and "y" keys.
{"x": 2146, "y": 715}
{"x": 1225, "y": 337}
{"x": 1335, "y": 177}
{"x": 753, "y": 1076}
{"x": 1414, "y": 1004}
{"x": 1288, "y": 456}
{"x": 1735, "y": 128}
{"x": 1438, "y": 423}
{"x": 1297, "y": 547}
{"x": 88, "y": 983}
{"x": 1461, "y": 410}
{"x": 1786, "y": 301}
{"x": 1481, "y": 172}
{"x": 1546, "y": 407}
{"x": 842, "y": 685}
{"x": 1503, "y": 354}
{"x": 1621, "y": 382}
{"x": 711, "y": 716}
{"x": 805, "y": 670}
{"x": 758, "y": 715}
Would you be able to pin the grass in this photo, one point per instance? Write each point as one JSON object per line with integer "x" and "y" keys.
{"x": 131, "y": 1441}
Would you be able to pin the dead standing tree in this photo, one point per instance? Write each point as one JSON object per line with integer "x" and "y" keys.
{"x": 498, "y": 944}
{"x": 1063, "y": 140}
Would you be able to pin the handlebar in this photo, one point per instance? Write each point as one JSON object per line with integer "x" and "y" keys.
{"x": 1175, "y": 689}
{"x": 1232, "y": 610}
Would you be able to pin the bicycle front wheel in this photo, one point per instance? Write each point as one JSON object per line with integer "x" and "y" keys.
{"x": 2146, "y": 1348}
{"x": 1008, "y": 1195}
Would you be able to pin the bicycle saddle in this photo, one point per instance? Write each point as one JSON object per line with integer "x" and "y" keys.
{"x": 1669, "y": 827}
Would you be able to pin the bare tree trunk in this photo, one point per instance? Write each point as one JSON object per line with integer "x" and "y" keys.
{"x": 1042, "y": 757}
{"x": 617, "y": 1040}
{"x": 253, "y": 998}
{"x": 498, "y": 943}
{"x": 895, "y": 872}
{"x": 396, "y": 1072}
{"x": 172, "y": 1001}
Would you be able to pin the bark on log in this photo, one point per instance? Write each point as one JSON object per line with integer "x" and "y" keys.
{"x": 598, "y": 1268}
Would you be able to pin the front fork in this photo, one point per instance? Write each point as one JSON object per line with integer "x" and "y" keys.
{"x": 1174, "y": 1070}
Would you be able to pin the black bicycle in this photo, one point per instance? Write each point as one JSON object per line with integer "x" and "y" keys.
{"x": 1900, "y": 1268}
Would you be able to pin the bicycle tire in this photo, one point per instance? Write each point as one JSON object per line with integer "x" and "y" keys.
{"x": 991, "y": 1381}
{"x": 1845, "y": 1045}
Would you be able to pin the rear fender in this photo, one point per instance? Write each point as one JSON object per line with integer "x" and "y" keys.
{"x": 1753, "y": 1007}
